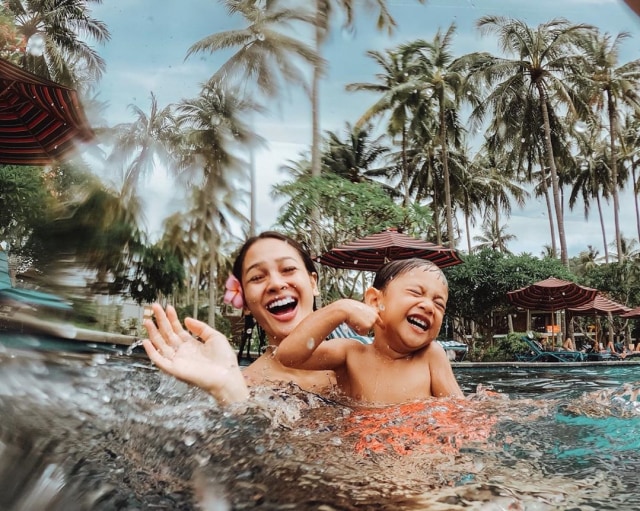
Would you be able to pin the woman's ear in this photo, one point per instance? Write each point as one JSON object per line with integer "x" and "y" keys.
{"x": 314, "y": 283}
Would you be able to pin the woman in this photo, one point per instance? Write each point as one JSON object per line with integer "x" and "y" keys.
{"x": 278, "y": 284}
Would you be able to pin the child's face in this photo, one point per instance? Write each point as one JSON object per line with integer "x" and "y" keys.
{"x": 412, "y": 307}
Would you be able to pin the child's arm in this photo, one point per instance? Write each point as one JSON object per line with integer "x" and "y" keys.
{"x": 443, "y": 381}
{"x": 304, "y": 348}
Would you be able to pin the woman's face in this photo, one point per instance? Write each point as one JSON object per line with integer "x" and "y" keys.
{"x": 278, "y": 290}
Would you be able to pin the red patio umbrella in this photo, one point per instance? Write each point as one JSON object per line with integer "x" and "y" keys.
{"x": 371, "y": 252}
{"x": 599, "y": 305}
{"x": 40, "y": 121}
{"x": 551, "y": 295}
{"x": 633, "y": 313}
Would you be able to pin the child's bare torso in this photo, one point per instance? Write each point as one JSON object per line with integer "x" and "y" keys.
{"x": 374, "y": 378}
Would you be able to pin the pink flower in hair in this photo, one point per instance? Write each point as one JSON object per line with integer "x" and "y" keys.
{"x": 233, "y": 294}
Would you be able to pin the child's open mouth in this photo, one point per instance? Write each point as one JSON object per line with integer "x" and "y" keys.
{"x": 418, "y": 322}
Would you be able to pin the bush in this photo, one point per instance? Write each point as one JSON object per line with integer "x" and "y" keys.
{"x": 504, "y": 349}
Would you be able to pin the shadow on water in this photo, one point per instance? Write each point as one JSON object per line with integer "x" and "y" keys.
{"x": 106, "y": 431}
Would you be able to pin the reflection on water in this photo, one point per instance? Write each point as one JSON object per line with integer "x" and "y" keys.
{"x": 106, "y": 431}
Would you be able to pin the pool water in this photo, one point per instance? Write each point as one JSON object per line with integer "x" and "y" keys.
{"x": 107, "y": 431}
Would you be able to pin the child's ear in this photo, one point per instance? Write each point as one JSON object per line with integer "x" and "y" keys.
{"x": 372, "y": 297}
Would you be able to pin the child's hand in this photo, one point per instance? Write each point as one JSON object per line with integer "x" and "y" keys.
{"x": 360, "y": 316}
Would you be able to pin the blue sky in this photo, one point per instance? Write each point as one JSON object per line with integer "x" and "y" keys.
{"x": 150, "y": 39}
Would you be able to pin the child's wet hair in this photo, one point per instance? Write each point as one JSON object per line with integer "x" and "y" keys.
{"x": 304, "y": 253}
{"x": 401, "y": 266}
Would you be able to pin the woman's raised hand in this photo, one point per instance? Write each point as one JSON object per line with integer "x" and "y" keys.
{"x": 206, "y": 360}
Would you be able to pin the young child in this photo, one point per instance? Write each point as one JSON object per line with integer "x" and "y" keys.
{"x": 405, "y": 307}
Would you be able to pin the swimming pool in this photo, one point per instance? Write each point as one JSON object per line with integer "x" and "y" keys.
{"x": 106, "y": 431}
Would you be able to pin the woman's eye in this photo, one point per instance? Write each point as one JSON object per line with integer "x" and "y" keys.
{"x": 255, "y": 278}
{"x": 289, "y": 269}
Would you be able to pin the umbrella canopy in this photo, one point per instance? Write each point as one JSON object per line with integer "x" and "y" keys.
{"x": 372, "y": 252}
{"x": 633, "y": 313}
{"x": 551, "y": 295}
{"x": 40, "y": 120}
{"x": 599, "y": 305}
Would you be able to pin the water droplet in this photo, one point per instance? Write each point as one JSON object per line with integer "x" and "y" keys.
{"x": 468, "y": 93}
{"x": 580, "y": 127}
{"x": 249, "y": 330}
{"x": 311, "y": 343}
{"x": 381, "y": 307}
{"x": 348, "y": 33}
{"x": 260, "y": 36}
{"x": 36, "y": 44}
{"x": 99, "y": 359}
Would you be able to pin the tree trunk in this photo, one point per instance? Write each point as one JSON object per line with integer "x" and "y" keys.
{"x": 564, "y": 256}
{"x": 196, "y": 287}
{"x": 468, "y": 228}
{"x": 315, "y": 97}
{"x": 614, "y": 174}
{"x": 552, "y": 229}
{"x": 213, "y": 272}
{"x": 635, "y": 198}
{"x": 405, "y": 170}
{"x": 602, "y": 228}
{"x": 445, "y": 171}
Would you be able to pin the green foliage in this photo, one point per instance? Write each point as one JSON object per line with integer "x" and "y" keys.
{"x": 346, "y": 210}
{"x": 24, "y": 201}
{"x": 618, "y": 281}
{"x": 158, "y": 273}
{"x": 478, "y": 287}
{"x": 505, "y": 348}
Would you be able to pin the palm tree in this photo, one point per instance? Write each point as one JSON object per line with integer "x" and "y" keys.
{"x": 494, "y": 237}
{"x": 541, "y": 59}
{"x": 324, "y": 9}
{"x": 144, "y": 144}
{"x": 214, "y": 131}
{"x": 631, "y": 158}
{"x": 593, "y": 181}
{"x": 439, "y": 73}
{"x": 267, "y": 58}
{"x": 55, "y": 33}
{"x": 609, "y": 87}
{"x": 401, "y": 97}
{"x": 499, "y": 186}
{"x": 355, "y": 157}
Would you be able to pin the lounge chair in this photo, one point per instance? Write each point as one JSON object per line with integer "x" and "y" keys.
{"x": 537, "y": 353}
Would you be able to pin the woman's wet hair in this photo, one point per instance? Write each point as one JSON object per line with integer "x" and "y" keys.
{"x": 401, "y": 266}
{"x": 304, "y": 253}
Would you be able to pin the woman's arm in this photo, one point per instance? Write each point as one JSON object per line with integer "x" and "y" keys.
{"x": 304, "y": 348}
{"x": 209, "y": 363}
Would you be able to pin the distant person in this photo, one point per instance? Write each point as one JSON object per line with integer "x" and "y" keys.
{"x": 405, "y": 307}
{"x": 568, "y": 344}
